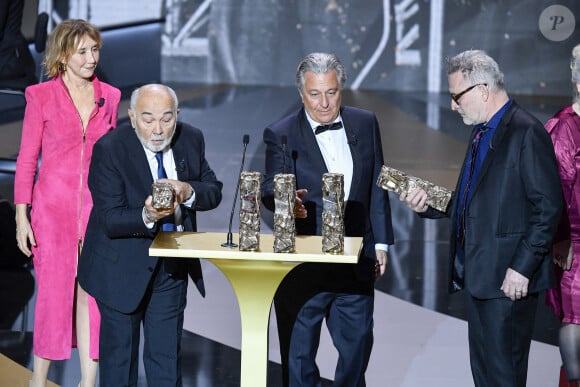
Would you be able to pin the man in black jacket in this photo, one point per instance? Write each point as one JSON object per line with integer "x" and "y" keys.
{"x": 504, "y": 211}
{"x": 131, "y": 287}
{"x": 340, "y": 294}
{"x": 16, "y": 63}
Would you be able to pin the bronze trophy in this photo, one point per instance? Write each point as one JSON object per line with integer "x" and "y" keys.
{"x": 396, "y": 181}
{"x": 333, "y": 213}
{"x": 163, "y": 195}
{"x": 250, "y": 198}
{"x": 284, "y": 200}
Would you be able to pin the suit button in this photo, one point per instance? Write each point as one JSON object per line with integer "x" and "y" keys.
{"x": 150, "y": 269}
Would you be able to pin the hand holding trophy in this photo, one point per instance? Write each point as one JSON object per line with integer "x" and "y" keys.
{"x": 396, "y": 181}
{"x": 163, "y": 195}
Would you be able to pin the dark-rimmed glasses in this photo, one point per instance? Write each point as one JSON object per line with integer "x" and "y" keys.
{"x": 456, "y": 97}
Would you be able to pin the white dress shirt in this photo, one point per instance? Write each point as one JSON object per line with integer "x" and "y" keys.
{"x": 333, "y": 145}
{"x": 170, "y": 170}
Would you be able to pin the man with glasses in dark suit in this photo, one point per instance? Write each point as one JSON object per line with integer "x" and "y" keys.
{"x": 504, "y": 212}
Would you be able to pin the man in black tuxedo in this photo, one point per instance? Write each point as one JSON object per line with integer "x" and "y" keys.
{"x": 343, "y": 294}
{"x": 504, "y": 212}
{"x": 131, "y": 287}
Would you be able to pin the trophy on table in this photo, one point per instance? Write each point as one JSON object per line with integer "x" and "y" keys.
{"x": 250, "y": 198}
{"x": 333, "y": 213}
{"x": 284, "y": 200}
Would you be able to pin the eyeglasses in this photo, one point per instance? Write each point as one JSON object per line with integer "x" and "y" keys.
{"x": 456, "y": 97}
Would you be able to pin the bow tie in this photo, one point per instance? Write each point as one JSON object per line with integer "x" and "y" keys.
{"x": 324, "y": 128}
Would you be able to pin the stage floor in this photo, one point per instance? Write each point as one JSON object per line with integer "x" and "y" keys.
{"x": 420, "y": 332}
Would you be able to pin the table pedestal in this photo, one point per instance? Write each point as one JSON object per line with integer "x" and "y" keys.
{"x": 254, "y": 283}
{"x": 254, "y": 276}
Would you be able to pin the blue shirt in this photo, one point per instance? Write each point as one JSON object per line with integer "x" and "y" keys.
{"x": 488, "y": 131}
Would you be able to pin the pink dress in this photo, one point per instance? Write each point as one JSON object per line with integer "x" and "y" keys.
{"x": 564, "y": 129}
{"x": 52, "y": 133}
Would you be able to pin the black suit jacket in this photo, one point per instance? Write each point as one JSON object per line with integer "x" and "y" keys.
{"x": 115, "y": 266}
{"x": 367, "y": 211}
{"x": 17, "y": 66}
{"x": 514, "y": 210}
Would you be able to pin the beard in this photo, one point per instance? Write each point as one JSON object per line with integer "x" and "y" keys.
{"x": 152, "y": 143}
{"x": 471, "y": 120}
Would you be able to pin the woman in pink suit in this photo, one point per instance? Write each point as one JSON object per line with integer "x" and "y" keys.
{"x": 564, "y": 128}
{"x": 64, "y": 117}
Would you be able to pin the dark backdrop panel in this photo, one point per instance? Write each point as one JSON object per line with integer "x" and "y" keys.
{"x": 385, "y": 45}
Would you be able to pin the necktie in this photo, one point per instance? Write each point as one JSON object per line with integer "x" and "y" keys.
{"x": 466, "y": 191}
{"x": 324, "y": 128}
{"x": 167, "y": 223}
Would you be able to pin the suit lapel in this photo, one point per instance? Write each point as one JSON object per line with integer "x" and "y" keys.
{"x": 180, "y": 162}
{"x": 351, "y": 131}
{"x": 497, "y": 139}
{"x": 311, "y": 146}
{"x": 180, "y": 153}
{"x": 138, "y": 158}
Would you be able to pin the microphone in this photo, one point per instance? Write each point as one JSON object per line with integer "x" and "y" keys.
{"x": 101, "y": 102}
{"x": 352, "y": 140}
{"x": 228, "y": 242}
{"x": 284, "y": 140}
{"x": 294, "y": 154}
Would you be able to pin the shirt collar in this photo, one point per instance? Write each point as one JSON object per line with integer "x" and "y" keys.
{"x": 494, "y": 121}
{"x": 151, "y": 155}
{"x": 314, "y": 124}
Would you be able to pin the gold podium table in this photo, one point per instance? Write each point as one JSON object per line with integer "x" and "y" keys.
{"x": 254, "y": 276}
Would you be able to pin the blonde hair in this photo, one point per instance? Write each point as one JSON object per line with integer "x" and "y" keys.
{"x": 63, "y": 42}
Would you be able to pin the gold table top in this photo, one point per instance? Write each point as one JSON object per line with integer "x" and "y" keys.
{"x": 208, "y": 245}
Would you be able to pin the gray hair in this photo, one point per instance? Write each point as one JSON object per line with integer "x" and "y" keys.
{"x": 137, "y": 92}
{"x": 319, "y": 63}
{"x": 575, "y": 69}
{"x": 477, "y": 67}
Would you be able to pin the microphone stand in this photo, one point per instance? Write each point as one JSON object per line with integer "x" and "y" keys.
{"x": 284, "y": 140}
{"x": 228, "y": 242}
